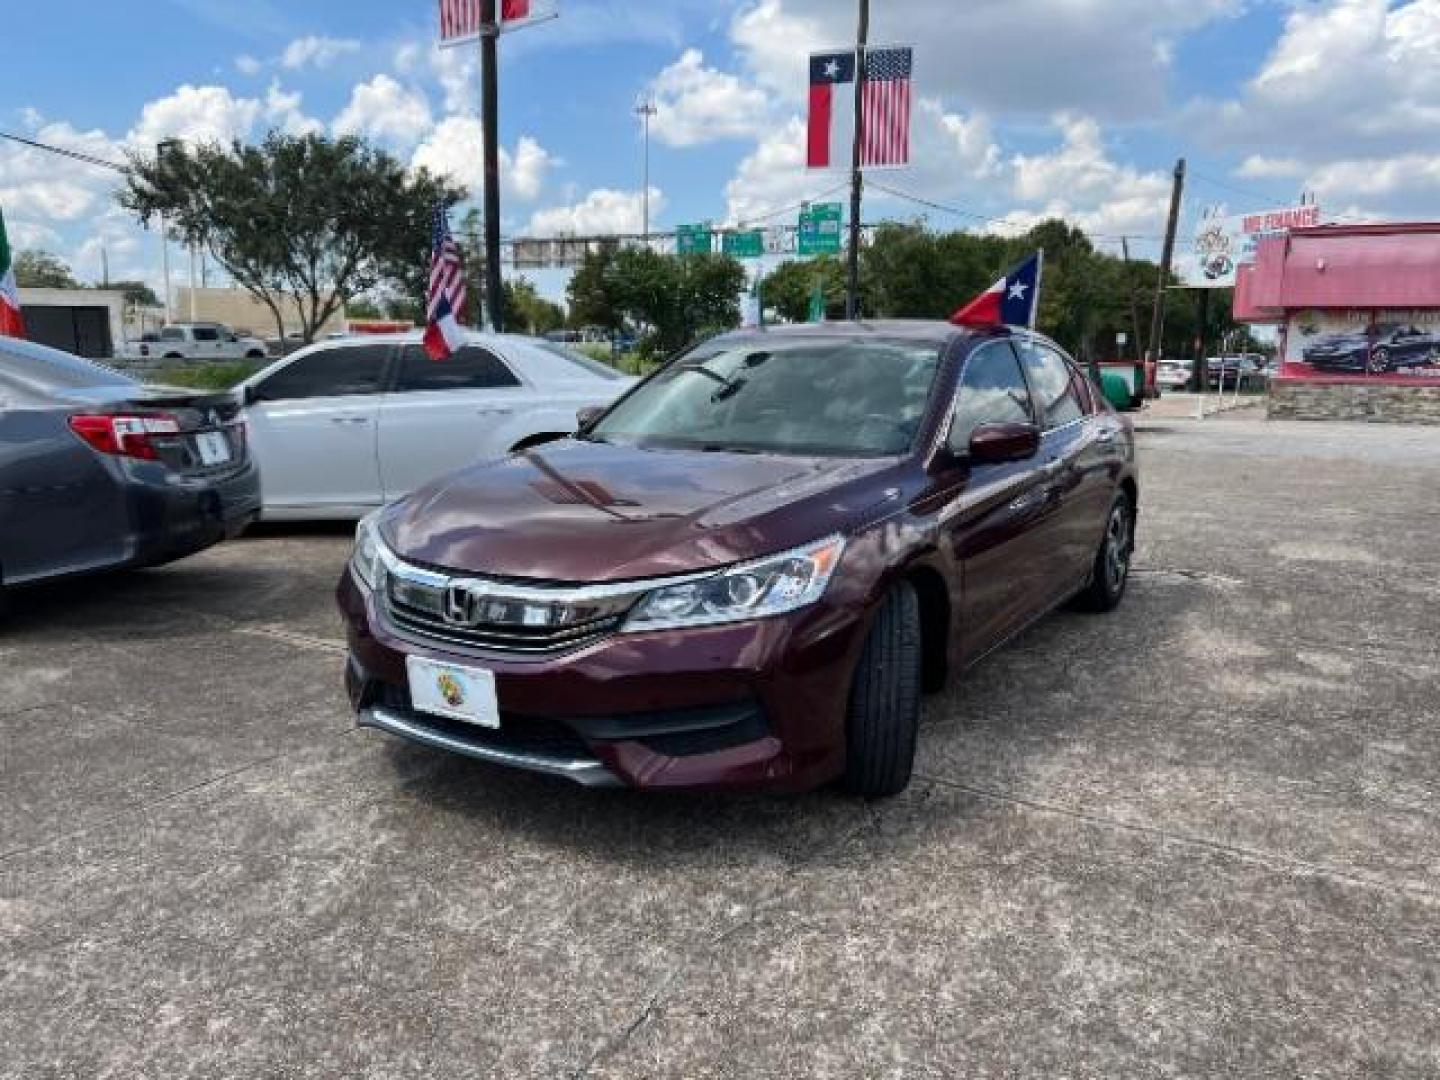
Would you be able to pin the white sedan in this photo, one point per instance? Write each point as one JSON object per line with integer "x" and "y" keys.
{"x": 342, "y": 427}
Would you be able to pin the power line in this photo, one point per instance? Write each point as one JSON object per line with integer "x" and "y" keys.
{"x": 987, "y": 220}
{"x": 76, "y": 155}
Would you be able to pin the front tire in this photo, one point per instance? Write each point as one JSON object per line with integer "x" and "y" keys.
{"x": 1379, "y": 361}
{"x": 1111, "y": 572}
{"x": 883, "y": 717}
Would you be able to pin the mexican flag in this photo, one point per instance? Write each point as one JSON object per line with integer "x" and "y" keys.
{"x": 11, "y": 323}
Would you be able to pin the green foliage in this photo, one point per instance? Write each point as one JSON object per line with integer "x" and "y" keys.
{"x": 309, "y": 217}
{"x": 42, "y": 270}
{"x": 668, "y": 300}
{"x": 362, "y": 307}
{"x": 137, "y": 293}
{"x": 206, "y": 376}
{"x": 527, "y": 312}
{"x": 789, "y": 287}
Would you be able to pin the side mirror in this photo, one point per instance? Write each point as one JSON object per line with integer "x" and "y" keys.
{"x": 587, "y": 416}
{"x": 251, "y": 396}
{"x": 995, "y": 444}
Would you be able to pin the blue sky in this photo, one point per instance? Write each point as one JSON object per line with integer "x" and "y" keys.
{"x": 1028, "y": 107}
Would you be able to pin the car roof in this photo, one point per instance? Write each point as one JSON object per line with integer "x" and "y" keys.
{"x": 922, "y": 331}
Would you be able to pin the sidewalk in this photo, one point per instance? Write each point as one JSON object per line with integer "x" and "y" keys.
{"x": 1186, "y": 406}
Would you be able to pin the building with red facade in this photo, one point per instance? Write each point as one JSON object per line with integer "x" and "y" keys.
{"x": 1359, "y": 312}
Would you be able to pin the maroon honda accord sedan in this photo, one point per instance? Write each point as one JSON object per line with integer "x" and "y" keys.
{"x": 747, "y": 570}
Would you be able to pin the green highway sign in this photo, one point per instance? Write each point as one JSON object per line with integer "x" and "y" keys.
{"x": 819, "y": 230}
{"x": 693, "y": 239}
{"x": 744, "y": 245}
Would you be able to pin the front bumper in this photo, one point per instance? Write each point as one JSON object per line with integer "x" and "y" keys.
{"x": 756, "y": 705}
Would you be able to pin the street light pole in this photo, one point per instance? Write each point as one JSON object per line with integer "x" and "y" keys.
{"x": 160, "y": 149}
{"x": 645, "y": 110}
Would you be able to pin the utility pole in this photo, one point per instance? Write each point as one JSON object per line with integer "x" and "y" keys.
{"x": 645, "y": 110}
{"x": 1157, "y": 323}
{"x": 490, "y": 121}
{"x": 852, "y": 266}
{"x": 1134, "y": 307}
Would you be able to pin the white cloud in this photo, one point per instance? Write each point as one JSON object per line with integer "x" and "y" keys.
{"x": 195, "y": 114}
{"x": 283, "y": 112}
{"x": 384, "y": 109}
{"x": 955, "y": 157}
{"x": 455, "y": 150}
{"x": 1107, "y": 58}
{"x": 1345, "y": 104}
{"x": 248, "y": 65}
{"x": 600, "y": 212}
{"x": 697, "y": 104}
{"x": 317, "y": 52}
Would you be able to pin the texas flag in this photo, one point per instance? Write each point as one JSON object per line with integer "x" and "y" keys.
{"x": 1011, "y": 301}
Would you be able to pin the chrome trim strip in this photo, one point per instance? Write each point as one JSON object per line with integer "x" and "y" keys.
{"x": 579, "y": 770}
{"x": 560, "y": 594}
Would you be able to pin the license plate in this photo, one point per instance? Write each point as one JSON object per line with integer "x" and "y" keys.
{"x": 214, "y": 448}
{"x": 457, "y": 693}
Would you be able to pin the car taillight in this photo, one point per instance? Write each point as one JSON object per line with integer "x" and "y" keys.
{"x": 124, "y": 436}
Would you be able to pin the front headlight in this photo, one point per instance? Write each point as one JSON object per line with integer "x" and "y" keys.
{"x": 367, "y": 560}
{"x": 755, "y": 590}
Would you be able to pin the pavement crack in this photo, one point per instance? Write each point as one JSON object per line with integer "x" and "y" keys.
{"x": 675, "y": 973}
{"x": 141, "y": 808}
{"x": 1271, "y": 859}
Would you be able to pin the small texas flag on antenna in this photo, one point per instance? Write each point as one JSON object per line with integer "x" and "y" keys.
{"x": 1011, "y": 301}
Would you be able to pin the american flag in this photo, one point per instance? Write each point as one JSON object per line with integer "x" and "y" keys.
{"x": 460, "y": 19}
{"x": 445, "y": 302}
{"x": 886, "y": 107}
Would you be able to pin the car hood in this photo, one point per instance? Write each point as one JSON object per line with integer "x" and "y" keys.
{"x": 594, "y": 512}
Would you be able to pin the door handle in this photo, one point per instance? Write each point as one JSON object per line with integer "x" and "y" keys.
{"x": 349, "y": 420}
{"x": 493, "y": 412}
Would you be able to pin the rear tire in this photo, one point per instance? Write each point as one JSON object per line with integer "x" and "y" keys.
{"x": 883, "y": 718}
{"x": 1111, "y": 571}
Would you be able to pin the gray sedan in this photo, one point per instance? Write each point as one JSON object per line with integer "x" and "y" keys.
{"x": 98, "y": 471}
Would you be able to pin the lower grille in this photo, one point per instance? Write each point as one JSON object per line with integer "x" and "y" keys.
{"x": 517, "y": 734}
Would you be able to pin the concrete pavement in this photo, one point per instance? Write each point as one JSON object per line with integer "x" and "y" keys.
{"x": 1194, "y": 838}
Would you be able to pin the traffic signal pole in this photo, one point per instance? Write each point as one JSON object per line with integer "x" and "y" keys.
{"x": 857, "y": 182}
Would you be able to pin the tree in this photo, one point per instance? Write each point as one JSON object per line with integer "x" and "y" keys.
{"x": 593, "y": 292}
{"x": 526, "y": 311}
{"x": 42, "y": 270}
{"x": 302, "y": 223}
{"x": 137, "y": 293}
{"x": 791, "y": 285}
{"x": 669, "y": 300}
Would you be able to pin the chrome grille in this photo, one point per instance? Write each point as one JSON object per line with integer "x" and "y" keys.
{"x": 492, "y": 616}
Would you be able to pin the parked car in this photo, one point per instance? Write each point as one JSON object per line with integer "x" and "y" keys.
{"x": 1393, "y": 345}
{"x": 1224, "y": 372}
{"x": 202, "y": 341}
{"x": 343, "y": 426}
{"x": 1175, "y": 375}
{"x": 744, "y": 572}
{"x": 98, "y": 471}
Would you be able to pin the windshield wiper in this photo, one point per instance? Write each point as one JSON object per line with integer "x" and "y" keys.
{"x": 721, "y": 448}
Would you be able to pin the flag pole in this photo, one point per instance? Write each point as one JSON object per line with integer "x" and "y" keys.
{"x": 489, "y": 120}
{"x": 1039, "y": 280}
{"x": 852, "y": 265}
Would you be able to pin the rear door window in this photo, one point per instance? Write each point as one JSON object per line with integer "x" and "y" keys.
{"x": 470, "y": 368}
{"x": 206, "y": 333}
{"x": 1053, "y": 382}
{"x": 337, "y": 372}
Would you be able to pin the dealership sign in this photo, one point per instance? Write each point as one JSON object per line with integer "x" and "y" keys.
{"x": 1224, "y": 241}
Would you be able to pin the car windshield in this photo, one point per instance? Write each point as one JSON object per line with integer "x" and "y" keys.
{"x": 832, "y": 397}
